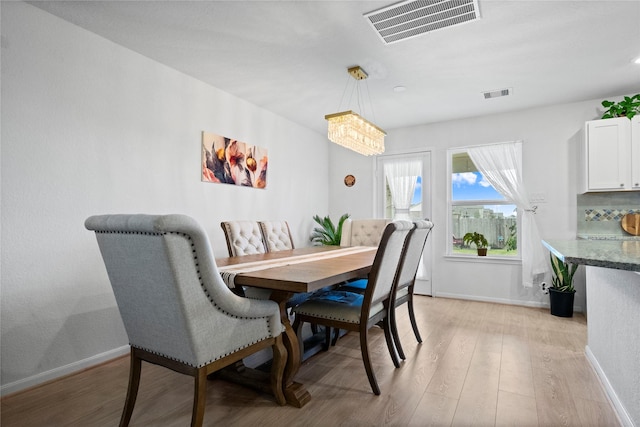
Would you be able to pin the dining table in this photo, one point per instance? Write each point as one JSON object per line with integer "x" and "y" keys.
{"x": 288, "y": 272}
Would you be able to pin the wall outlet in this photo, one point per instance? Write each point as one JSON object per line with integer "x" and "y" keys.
{"x": 537, "y": 198}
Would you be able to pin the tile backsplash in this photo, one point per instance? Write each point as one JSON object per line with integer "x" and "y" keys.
{"x": 599, "y": 214}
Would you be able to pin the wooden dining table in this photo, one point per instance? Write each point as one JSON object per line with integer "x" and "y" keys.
{"x": 294, "y": 271}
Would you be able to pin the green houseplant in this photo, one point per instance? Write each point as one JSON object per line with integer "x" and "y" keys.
{"x": 327, "y": 233}
{"x": 477, "y": 239}
{"x": 562, "y": 292}
{"x": 628, "y": 107}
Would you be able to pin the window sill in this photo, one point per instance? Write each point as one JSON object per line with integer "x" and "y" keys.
{"x": 486, "y": 259}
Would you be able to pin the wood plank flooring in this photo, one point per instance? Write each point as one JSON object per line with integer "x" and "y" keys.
{"x": 480, "y": 364}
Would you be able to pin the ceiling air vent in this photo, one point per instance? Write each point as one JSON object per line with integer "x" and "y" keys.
{"x": 413, "y": 18}
{"x": 497, "y": 93}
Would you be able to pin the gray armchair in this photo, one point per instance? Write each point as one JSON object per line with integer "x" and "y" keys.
{"x": 176, "y": 309}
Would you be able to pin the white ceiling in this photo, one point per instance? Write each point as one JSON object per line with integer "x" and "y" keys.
{"x": 291, "y": 57}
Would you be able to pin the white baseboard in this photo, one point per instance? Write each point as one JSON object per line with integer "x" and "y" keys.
{"x": 619, "y": 409}
{"x": 487, "y": 299}
{"x": 534, "y": 304}
{"x": 62, "y": 371}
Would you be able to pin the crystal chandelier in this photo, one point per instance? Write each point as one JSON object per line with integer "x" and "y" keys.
{"x": 353, "y": 131}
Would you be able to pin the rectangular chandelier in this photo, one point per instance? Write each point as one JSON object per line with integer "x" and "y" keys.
{"x": 355, "y": 133}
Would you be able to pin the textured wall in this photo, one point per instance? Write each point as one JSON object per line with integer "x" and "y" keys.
{"x": 89, "y": 127}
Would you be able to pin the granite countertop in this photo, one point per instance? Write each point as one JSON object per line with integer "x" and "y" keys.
{"x": 608, "y": 237}
{"x": 618, "y": 254}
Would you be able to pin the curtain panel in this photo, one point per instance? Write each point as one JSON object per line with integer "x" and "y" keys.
{"x": 402, "y": 176}
{"x": 501, "y": 165}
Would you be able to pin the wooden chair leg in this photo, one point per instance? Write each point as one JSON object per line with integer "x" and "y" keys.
{"x": 395, "y": 334}
{"x": 412, "y": 317}
{"x": 135, "y": 366}
{"x": 327, "y": 337}
{"x": 297, "y": 327}
{"x": 391, "y": 345}
{"x": 199, "y": 397}
{"x": 364, "y": 348}
{"x": 277, "y": 370}
{"x": 335, "y": 337}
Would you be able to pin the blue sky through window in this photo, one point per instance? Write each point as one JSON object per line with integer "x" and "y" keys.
{"x": 472, "y": 186}
{"x": 417, "y": 194}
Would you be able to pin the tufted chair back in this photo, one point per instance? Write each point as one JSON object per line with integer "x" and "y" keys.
{"x": 363, "y": 232}
{"x": 243, "y": 238}
{"x": 277, "y": 235}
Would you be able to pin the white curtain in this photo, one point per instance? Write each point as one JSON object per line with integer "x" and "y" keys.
{"x": 402, "y": 176}
{"x": 501, "y": 165}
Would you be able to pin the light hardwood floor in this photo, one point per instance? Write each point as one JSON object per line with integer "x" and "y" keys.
{"x": 480, "y": 364}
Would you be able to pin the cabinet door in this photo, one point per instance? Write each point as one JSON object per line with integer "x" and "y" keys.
{"x": 608, "y": 152}
{"x": 635, "y": 153}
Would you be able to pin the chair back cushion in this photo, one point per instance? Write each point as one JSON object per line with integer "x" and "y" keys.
{"x": 385, "y": 265}
{"x": 170, "y": 293}
{"x": 413, "y": 253}
{"x": 243, "y": 237}
{"x": 362, "y": 232}
{"x": 277, "y": 235}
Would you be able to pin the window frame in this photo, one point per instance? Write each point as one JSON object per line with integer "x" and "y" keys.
{"x": 451, "y": 203}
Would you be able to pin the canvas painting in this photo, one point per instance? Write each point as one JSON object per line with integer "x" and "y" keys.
{"x": 229, "y": 161}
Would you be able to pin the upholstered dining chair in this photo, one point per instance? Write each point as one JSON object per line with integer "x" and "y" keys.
{"x": 176, "y": 309}
{"x": 362, "y": 232}
{"x": 277, "y": 235}
{"x": 404, "y": 289}
{"x": 357, "y": 312}
{"x": 243, "y": 237}
{"x": 407, "y": 278}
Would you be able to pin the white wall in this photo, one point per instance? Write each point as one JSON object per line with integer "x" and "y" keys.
{"x": 614, "y": 338}
{"x": 550, "y": 135}
{"x": 89, "y": 127}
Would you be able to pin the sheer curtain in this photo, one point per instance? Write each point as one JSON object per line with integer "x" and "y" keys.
{"x": 402, "y": 176}
{"x": 501, "y": 165}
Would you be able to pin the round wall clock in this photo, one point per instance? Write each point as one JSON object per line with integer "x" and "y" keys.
{"x": 349, "y": 180}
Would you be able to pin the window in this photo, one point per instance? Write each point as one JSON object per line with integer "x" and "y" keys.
{"x": 476, "y": 206}
{"x": 416, "y": 205}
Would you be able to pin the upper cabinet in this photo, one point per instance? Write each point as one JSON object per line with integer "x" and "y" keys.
{"x": 609, "y": 155}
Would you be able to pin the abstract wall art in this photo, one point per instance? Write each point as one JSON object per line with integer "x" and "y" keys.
{"x": 229, "y": 161}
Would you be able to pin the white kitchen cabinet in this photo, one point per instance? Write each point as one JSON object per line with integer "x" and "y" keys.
{"x": 609, "y": 155}
{"x": 635, "y": 153}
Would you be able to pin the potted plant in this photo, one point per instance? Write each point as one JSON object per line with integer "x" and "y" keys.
{"x": 562, "y": 292}
{"x": 628, "y": 107}
{"x": 477, "y": 239}
{"x": 327, "y": 234}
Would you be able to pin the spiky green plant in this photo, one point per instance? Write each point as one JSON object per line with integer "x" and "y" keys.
{"x": 327, "y": 234}
{"x": 564, "y": 271}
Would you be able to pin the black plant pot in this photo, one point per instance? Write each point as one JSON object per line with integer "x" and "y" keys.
{"x": 561, "y": 302}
